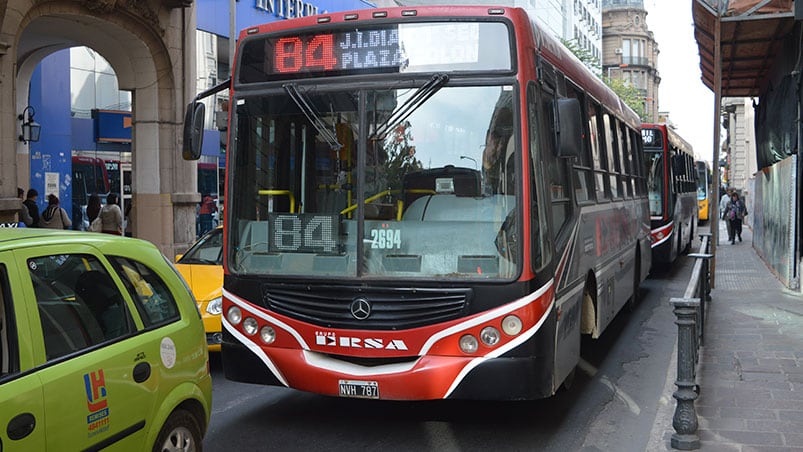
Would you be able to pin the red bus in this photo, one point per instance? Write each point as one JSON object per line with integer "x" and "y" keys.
{"x": 89, "y": 175}
{"x": 672, "y": 181}
{"x": 423, "y": 203}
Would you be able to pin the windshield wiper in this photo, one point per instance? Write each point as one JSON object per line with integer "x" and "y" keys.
{"x": 410, "y": 105}
{"x": 312, "y": 116}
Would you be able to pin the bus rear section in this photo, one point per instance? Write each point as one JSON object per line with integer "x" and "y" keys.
{"x": 400, "y": 216}
{"x": 672, "y": 182}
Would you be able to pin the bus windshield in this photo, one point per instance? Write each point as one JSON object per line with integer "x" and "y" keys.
{"x": 655, "y": 182}
{"x": 413, "y": 182}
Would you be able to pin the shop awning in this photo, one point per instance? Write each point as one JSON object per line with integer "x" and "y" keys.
{"x": 751, "y": 34}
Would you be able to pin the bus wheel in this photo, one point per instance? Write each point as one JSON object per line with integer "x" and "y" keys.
{"x": 687, "y": 249}
{"x": 588, "y": 322}
{"x": 180, "y": 432}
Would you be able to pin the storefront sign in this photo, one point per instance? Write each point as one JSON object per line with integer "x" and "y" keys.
{"x": 288, "y": 9}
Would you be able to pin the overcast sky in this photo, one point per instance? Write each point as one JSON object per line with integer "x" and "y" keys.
{"x": 682, "y": 93}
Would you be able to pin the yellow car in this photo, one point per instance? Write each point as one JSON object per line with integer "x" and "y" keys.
{"x": 202, "y": 268}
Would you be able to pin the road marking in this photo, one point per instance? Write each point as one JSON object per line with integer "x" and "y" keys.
{"x": 631, "y": 404}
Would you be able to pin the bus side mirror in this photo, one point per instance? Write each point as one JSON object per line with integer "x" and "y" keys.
{"x": 193, "y": 131}
{"x": 569, "y": 128}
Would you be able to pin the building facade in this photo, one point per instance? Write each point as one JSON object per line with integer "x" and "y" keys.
{"x": 738, "y": 158}
{"x": 629, "y": 50}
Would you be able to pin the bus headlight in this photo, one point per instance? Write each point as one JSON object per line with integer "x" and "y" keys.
{"x": 215, "y": 307}
{"x": 511, "y": 325}
{"x": 489, "y": 336}
{"x": 469, "y": 344}
{"x": 268, "y": 334}
{"x": 235, "y": 315}
{"x": 250, "y": 326}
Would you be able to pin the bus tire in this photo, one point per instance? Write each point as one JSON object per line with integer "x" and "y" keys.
{"x": 588, "y": 318}
{"x": 180, "y": 432}
{"x": 687, "y": 248}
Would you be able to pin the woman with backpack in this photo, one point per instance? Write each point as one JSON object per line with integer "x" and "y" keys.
{"x": 735, "y": 213}
{"x": 54, "y": 217}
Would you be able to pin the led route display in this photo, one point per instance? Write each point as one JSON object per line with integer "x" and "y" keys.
{"x": 407, "y": 47}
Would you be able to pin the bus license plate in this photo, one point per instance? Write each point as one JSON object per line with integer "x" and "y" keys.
{"x": 359, "y": 389}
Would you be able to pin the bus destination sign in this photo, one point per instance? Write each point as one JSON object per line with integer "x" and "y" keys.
{"x": 342, "y": 51}
{"x": 652, "y": 138}
{"x": 411, "y": 47}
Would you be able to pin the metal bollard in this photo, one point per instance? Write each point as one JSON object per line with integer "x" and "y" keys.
{"x": 685, "y": 418}
{"x": 702, "y": 291}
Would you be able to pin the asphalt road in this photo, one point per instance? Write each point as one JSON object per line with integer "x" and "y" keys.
{"x": 611, "y": 406}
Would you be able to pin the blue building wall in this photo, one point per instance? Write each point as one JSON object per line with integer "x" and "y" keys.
{"x": 51, "y": 155}
{"x": 213, "y": 15}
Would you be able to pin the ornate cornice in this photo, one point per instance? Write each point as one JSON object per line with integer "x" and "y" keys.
{"x": 137, "y": 8}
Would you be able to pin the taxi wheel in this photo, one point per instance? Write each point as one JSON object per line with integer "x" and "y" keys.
{"x": 179, "y": 433}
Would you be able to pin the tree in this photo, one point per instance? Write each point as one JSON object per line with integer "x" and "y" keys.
{"x": 584, "y": 55}
{"x": 628, "y": 93}
{"x": 624, "y": 89}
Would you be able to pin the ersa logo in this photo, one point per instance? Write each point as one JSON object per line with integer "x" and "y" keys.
{"x": 97, "y": 420}
{"x": 330, "y": 339}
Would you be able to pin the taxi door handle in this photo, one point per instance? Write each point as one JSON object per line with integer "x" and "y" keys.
{"x": 142, "y": 372}
{"x": 20, "y": 426}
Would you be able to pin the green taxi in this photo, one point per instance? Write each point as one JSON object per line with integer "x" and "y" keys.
{"x": 101, "y": 346}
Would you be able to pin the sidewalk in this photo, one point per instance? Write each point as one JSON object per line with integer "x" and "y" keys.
{"x": 751, "y": 366}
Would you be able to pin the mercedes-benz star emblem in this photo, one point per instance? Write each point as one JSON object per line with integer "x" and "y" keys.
{"x": 360, "y": 308}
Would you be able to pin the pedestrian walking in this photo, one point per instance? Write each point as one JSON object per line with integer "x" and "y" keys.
{"x": 33, "y": 208}
{"x": 54, "y": 217}
{"x": 723, "y": 209}
{"x": 208, "y": 208}
{"x": 24, "y": 215}
{"x": 736, "y": 211}
{"x": 111, "y": 216}
{"x": 93, "y": 207}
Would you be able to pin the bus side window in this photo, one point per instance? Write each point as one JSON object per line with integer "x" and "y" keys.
{"x": 594, "y": 127}
{"x": 612, "y": 153}
{"x": 583, "y": 171}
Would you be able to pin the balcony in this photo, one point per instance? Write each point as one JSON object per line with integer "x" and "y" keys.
{"x": 635, "y": 61}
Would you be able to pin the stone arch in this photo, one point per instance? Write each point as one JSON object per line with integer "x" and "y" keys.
{"x": 146, "y": 48}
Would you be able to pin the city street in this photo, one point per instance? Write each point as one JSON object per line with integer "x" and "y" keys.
{"x": 612, "y": 405}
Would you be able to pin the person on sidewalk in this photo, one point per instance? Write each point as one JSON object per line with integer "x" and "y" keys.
{"x": 205, "y": 213}
{"x": 736, "y": 213}
{"x": 54, "y": 217}
{"x": 24, "y": 214}
{"x": 111, "y": 216}
{"x": 33, "y": 209}
{"x": 723, "y": 210}
{"x": 93, "y": 207}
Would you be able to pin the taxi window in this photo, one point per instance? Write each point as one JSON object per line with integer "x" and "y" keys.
{"x": 9, "y": 357}
{"x": 153, "y": 299}
{"x": 79, "y": 304}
